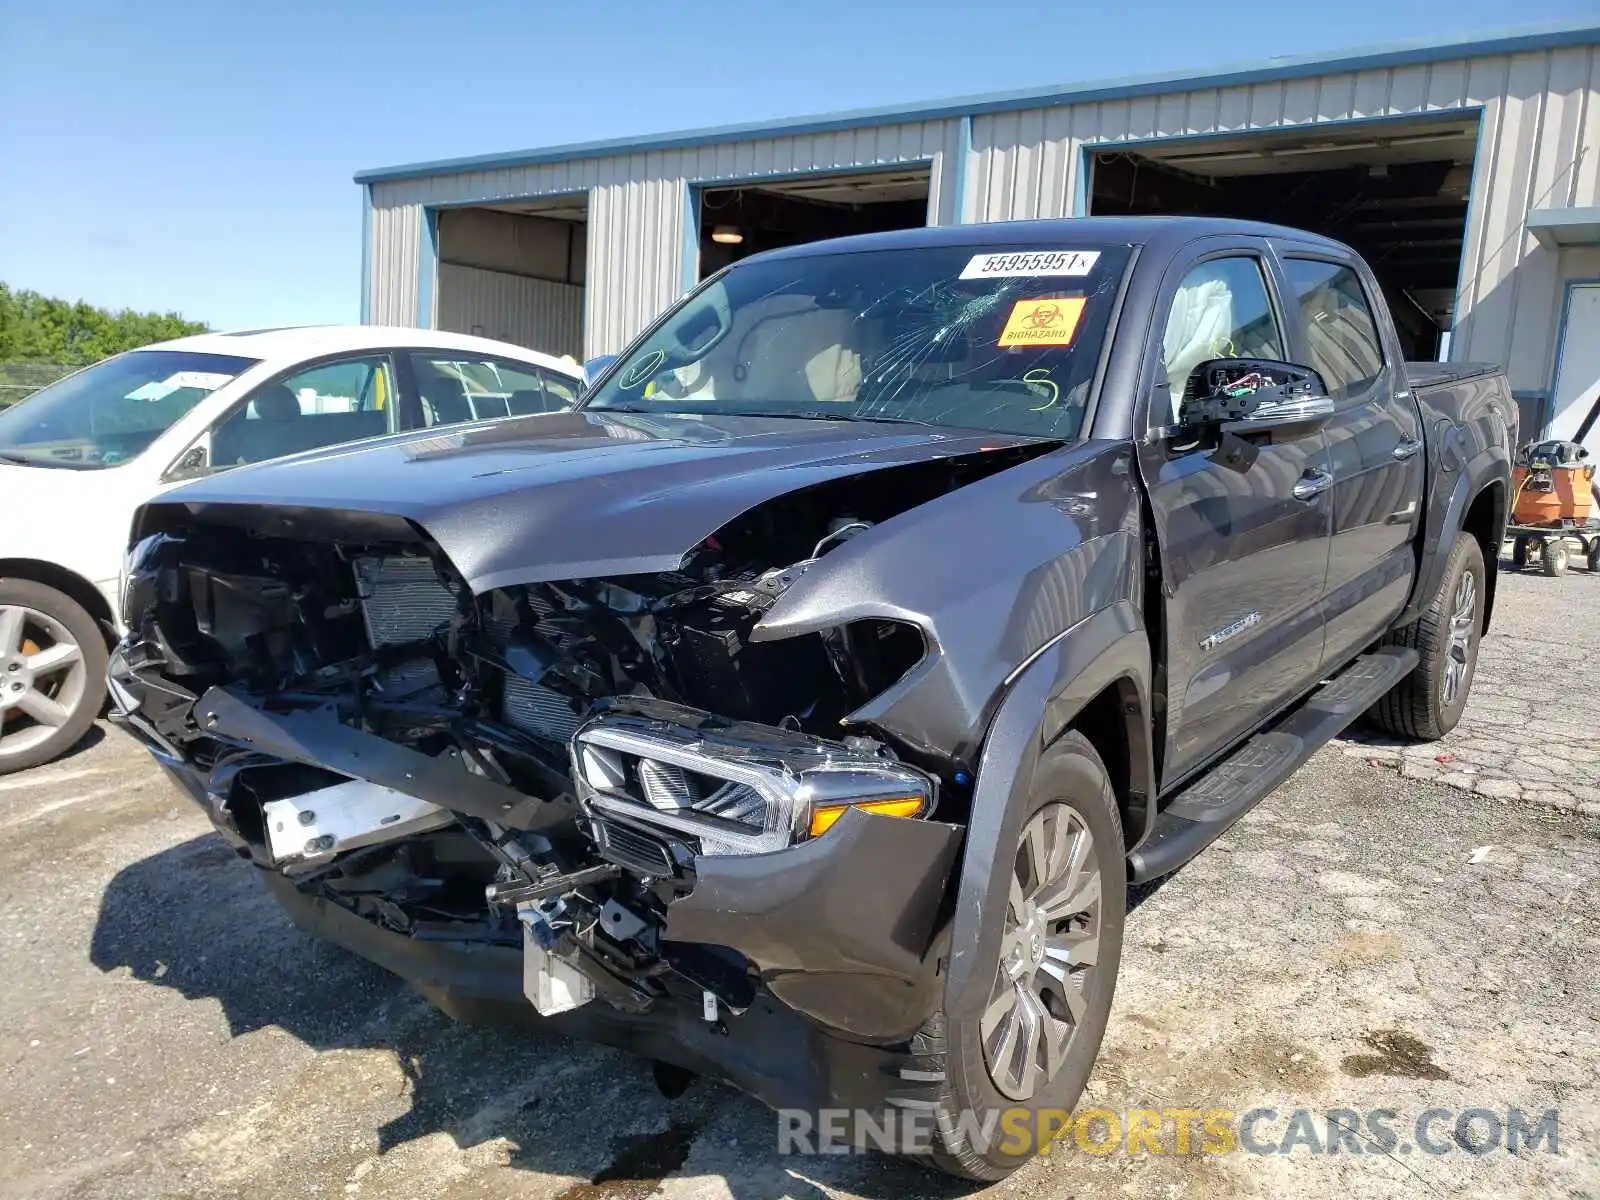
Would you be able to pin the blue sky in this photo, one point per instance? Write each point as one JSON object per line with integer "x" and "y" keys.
{"x": 197, "y": 157}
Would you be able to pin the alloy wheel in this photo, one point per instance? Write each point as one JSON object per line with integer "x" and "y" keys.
{"x": 1463, "y": 628}
{"x": 43, "y": 678}
{"x": 1048, "y": 952}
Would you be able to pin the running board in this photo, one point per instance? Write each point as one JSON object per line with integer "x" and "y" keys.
{"x": 1200, "y": 813}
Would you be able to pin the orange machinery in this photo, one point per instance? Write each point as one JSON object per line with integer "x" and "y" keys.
{"x": 1553, "y": 490}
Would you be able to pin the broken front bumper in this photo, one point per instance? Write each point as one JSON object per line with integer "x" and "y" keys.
{"x": 841, "y": 932}
{"x": 770, "y": 1051}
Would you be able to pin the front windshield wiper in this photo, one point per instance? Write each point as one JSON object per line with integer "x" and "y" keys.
{"x": 65, "y": 464}
{"x": 874, "y": 417}
{"x": 782, "y": 416}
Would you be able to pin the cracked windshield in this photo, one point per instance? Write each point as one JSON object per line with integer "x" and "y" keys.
{"x": 1008, "y": 342}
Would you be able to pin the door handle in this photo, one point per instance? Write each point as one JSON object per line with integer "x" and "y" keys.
{"x": 1406, "y": 447}
{"x": 1312, "y": 484}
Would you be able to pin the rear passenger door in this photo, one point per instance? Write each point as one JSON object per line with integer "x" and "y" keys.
{"x": 1374, "y": 445}
{"x": 1244, "y": 551}
{"x": 321, "y": 404}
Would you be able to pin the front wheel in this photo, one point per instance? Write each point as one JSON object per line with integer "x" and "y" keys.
{"x": 1555, "y": 557}
{"x": 1054, "y": 974}
{"x": 1428, "y": 703}
{"x": 52, "y": 673}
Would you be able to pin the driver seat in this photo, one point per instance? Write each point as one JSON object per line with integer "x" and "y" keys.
{"x": 803, "y": 358}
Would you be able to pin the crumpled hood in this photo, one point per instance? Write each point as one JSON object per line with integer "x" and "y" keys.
{"x": 575, "y": 495}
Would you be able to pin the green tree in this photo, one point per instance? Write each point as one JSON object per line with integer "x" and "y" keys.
{"x": 42, "y": 329}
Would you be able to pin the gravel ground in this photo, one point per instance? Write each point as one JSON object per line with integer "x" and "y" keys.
{"x": 1386, "y": 931}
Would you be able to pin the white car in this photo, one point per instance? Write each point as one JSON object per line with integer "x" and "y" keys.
{"x": 77, "y": 459}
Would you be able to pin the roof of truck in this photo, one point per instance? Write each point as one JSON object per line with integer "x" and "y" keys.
{"x": 1060, "y": 231}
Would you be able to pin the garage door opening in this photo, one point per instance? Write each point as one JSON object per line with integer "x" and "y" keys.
{"x": 736, "y": 222}
{"x": 514, "y": 272}
{"x": 1394, "y": 191}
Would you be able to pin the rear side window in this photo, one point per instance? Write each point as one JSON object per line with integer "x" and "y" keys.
{"x": 457, "y": 387}
{"x": 1341, "y": 335}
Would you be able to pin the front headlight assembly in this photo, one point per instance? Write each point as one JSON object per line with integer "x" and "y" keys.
{"x": 735, "y": 788}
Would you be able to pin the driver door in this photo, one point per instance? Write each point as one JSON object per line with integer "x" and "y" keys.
{"x": 324, "y": 403}
{"x": 1244, "y": 549}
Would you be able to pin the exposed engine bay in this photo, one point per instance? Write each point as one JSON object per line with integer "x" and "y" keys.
{"x": 554, "y": 766}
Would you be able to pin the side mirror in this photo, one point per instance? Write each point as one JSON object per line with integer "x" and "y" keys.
{"x": 1250, "y": 394}
{"x": 596, "y": 367}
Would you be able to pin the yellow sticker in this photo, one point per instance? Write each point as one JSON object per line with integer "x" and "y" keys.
{"x": 1042, "y": 322}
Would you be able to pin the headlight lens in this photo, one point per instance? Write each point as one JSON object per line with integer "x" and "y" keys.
{"x": 736, "y": 788}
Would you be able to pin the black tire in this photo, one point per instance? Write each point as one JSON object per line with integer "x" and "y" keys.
{"x": 1070, "y": 773}
{"x": 1519, "y": 553}
{"x": 85, "y": 631}
{"x": 1553, "y": 561}
{"x": 1594, "y": 555}
{"x": 1415, "y": 707}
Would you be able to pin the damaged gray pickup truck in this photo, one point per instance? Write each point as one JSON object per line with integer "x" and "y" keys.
{"x": 798, "y": 709}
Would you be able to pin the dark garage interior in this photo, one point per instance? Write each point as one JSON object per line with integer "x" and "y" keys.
{"x": 739, "y": 221}
{"x": 1394, "y": 191}
{"x": 515, "y": 271}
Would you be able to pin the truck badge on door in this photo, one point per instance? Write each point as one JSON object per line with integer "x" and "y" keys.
{"x": 1217, "y": 636}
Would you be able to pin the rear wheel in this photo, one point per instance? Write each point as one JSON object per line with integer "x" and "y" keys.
{"x": 1428, "y": 703}
{"x": 52, "y": 673}
{"x": 1594, "y": 555}
{"x": 1035, "y": 1042}
{"x": 1519, "y": 553}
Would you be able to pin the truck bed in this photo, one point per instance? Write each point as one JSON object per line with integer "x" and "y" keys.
{"x": 1435, "y": 374}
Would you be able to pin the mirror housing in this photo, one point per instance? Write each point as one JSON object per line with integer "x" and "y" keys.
{"x": 1249, "y": 394}
{"x": 596, "y": 367}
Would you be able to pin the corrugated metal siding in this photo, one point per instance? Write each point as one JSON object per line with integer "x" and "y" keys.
{"x": 1539, "y": 145}
{"x": 536, "y": 313}
{"x": 396, "y": 230}
{"x": 638, "y": 206}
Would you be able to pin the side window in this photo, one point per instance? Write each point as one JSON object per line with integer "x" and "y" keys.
{"x": 455, "y": 388}
{"x": 1342, "y": 340}
{"x": 323, "y": 405}
{"x": 561, "y": 390}
{"x": 1222, "y": 309}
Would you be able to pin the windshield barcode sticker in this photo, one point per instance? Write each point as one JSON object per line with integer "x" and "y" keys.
{"x": 1016, "y": 263}
{"x": 160, "y": 389}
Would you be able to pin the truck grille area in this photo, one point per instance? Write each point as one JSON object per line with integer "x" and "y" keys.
{"x": 635, "y": 849}
{"x": 402, "y": 598}
{"x": 532, "y": 708}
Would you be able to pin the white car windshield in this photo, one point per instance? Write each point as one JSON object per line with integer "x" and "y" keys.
{"x": 109, "y": 413}
{"x": 1006, "y": 340}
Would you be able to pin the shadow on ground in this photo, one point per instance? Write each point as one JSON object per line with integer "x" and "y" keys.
{"x": 194, "y": 919}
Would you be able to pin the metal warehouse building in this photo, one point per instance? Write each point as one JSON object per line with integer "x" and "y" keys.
{"x": 1467, "y": 172}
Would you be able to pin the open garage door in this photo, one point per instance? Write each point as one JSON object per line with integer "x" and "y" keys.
{"x": 514, "y": 272}
{"x": 740, "y": 221}
{"x": 1396, "y": 191}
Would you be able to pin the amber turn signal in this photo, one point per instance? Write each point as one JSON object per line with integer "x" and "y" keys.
{"x": 822, "y": 819}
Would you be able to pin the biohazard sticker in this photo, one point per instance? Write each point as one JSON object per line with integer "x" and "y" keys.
{"x": 1015, "y": 263}
{"x": 1042, "y": 322}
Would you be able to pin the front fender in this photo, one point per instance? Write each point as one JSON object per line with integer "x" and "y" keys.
{"x": 1041, "y": 703}
{"x": 992, "y": 573}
